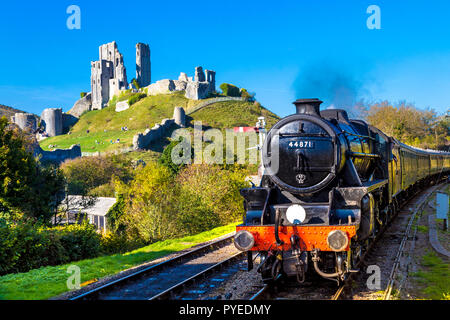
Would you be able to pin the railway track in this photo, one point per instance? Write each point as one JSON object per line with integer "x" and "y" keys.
{"x": 169, "y": 278}
{"x": 329, "y": 292}
{"x": 418, "y": 201}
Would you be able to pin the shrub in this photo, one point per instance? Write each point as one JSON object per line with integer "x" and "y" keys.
{"x": 158, "y": 205}
{"x": 150, "y": 205}
{"x": 166, "y": 157}
{"x": 26, "y": 246}
{"x": 135, "y": 98}
{"x": 82, "y": 94}
{"x": 209, "y": 196}
{"x": 85, "y": 174}
{"x": 230, "y": 90}
{"x": 112, "y": 243}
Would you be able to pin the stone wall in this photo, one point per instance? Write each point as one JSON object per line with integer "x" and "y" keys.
{"x": 59, "y": 155}
{"x": 82, "y": 105}
{"x": 161, "y": 87}
{"x": 143, "y": 140}
{"x": 196, "y": 88}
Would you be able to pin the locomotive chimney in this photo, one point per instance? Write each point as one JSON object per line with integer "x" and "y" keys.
{"x": 308, "y": 106}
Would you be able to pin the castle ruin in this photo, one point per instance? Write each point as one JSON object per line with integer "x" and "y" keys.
{"x": 108, "y": 75}
{"x": 199, "y": 87}
{"x": 143, "y": 65}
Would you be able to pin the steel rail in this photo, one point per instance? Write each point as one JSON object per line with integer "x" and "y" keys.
{"x": 170, "y": 293}
{"x": 341, "y": 288}
{"x": 94, "y": 293}
{"x": 390, "y": 285}
{"x": 261, "y": 293}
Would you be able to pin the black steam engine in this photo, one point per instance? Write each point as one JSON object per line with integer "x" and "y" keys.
{"x": 330, "y": 185}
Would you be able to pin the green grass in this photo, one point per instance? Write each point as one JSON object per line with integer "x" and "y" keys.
{"x": 145, "y": 114}
{"x": 229, "y": 114}
{"x": 423, "y": 229}
{"x": 93, "y": 141}
{"x": 434, "y": 278}
{"x": 47, "y": 282}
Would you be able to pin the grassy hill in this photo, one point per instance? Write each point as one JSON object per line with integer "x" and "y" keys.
{"x": 8, "y": 112}
{"x": 96, "y": 130}
{"x": 229, "y": 114}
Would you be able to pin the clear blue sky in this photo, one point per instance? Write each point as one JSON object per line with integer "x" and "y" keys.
{"x": 282, "y": 50}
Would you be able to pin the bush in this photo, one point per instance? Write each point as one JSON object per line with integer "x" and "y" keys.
{"x": 150, "y": 205}
{"x": 27, "y": 246}
{"x": 209, "y": 197}
{"x": 166, "y": 157}
{"x": 135, "y": 98}
{"x": 230, "y": 90}
{"x": 85, "y": 174}
{"x": 82, "y": 94}
{"x": 113, "y": 243}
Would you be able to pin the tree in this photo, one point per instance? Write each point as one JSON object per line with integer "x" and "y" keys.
{"x": 27, "y": 190}
{"x": 410, "y": 125}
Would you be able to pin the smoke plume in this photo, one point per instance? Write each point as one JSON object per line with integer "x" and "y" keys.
{"x": 336, "y": 87}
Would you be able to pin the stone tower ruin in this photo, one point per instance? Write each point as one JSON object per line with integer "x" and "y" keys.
{"x": 143, "y": 64}
{"x": 25, "y": 121}
{"x": 52, "y": 121}
{"x": 108, "y": 75}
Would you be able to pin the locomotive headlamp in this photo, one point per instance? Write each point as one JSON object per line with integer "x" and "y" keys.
{"x": 337, "y": 240}
{"x": 244, "y": 240}
{"x": 296, "y": 214}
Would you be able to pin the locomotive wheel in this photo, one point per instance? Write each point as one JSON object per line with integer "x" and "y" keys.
{"x": 271, "y": 269}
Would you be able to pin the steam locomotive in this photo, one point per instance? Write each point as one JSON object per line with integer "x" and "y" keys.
{"x": 330, "y": 184}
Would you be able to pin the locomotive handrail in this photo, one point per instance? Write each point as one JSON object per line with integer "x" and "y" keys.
{"x": 300, "y": 134}
{"x": 363, "y": 155}
{"x": 357, "y": 135}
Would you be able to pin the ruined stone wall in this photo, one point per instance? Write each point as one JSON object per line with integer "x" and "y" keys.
{"x": 81, "y": 105}
{"x": 144, "y": 140}
{"x": 143, "y": 64}
{"x": 200, "y": 87}
{"x": 204, "y": 83}
{"x": 59, "y": 155}
{"x": 161, "y": 87}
